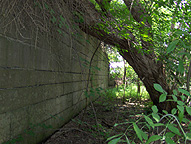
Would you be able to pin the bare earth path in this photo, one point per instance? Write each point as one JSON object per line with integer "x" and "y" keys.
{"x": 88, "y": 128}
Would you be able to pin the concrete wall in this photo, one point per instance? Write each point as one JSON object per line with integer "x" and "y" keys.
{"x": 43, "y": 78}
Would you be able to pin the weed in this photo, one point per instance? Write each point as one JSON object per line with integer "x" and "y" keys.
{"x": 171, "y": 127}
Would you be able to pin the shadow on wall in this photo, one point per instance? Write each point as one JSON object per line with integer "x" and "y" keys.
{"x": 44, "y": 70}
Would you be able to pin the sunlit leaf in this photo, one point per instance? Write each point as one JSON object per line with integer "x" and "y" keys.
{"x": 173, "y": 111}
{"x": 188, "y": 109}
{"x": 164, "y": 111}
{"x": 155, "y": 109}
{"x": 183, "y": 97}
{"x": 158, "y": 124}
{"x": 180, "y": 108}
{"x": 184, "y": 92}
{"x": 162, "y": 97}
{"x": 174, "y": 98}
{"x": 156, "y": 117}
{"x": 180, "y": 103}
{"x": 175, "y": 92}
{"x": 188, "y": 136}
{"x": 158, "y": 87}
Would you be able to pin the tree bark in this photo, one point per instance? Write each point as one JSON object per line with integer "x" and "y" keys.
{"x": 148, "y": 69}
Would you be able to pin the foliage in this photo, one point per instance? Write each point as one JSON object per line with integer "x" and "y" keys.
{"x": 164, "y": 24}
{"x": 171, "y": 127}
{"x": 115, "y": 58}
{"x": 171, "y": 37}
{"x": 130, "y": 93}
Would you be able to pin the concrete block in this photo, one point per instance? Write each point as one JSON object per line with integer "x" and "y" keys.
{"x": 19, "y": 121}
{"x": 38, "y": 112}
{"x": 10, "y": 99}
{"x": 77, "y": 97}
{"x": 5, "y": 127}
{"x": 68, "y": 88}
{"x": 64, "y": 102}
{"x": 28, "y": 57}
{"x": 14, "y": 54}
{"x": 42, "y": 59}
{"x": 4, "y": 44}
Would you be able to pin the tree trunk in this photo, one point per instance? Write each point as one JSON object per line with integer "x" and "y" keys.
{"x": 148, "y": 69}
{"x": 124, "y": 81}
{"x": 138, "y": 88}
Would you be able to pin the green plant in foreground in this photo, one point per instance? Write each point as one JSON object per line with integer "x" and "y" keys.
{"x": 168, "y": 127}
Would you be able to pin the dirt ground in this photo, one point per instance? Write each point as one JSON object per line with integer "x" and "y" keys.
{"x": 96, "y": 123}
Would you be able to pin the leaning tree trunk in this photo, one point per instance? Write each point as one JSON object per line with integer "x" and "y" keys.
{"x": 148, "y": 69}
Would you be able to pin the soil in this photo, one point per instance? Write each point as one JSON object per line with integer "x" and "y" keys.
{"x": 97, "y": 123}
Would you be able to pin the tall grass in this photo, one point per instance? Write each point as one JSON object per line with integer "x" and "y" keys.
{"x": 130, "y": 93}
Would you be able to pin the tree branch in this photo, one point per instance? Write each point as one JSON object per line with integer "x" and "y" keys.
{"x": 137, "y": 11}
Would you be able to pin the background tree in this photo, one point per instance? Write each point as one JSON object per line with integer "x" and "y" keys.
{"x": 142, "y": 31}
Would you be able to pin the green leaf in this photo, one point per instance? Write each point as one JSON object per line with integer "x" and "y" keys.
{"x": 86, "y": 94}
{"x": 127, "y": 140}
{"x": 138, "y": 131}
{"x": 188, "y": 109}
{"x": 188, "y": 136}
{"x": 59, "y": 31}
{"x": 155, "y": 109}
{"x": 169, "y": 141}
{"x": 158, "y": 87}
{"x": 114, "y": 141}
{"x": 153, "y": 138}
{"x": 46, "y": 6}
{"x": 62, "y": 19}
{"x": 158, "y": 124}
{"x": 173, "y": 129}
{"x": 180, "y": 116}
{"x": 184, "y": 92}
{"x": 175, "y": 92}
{"x": 164, "y": 111}
{"x": 144, "y": 135}
{"x": 113, "y": 137}
{"x": 174, "y": 98}
{"x": 185, "y": 120}
{"x": 181, "y": 67}
{"x": 156, "y": 117}
{"x": 180, "y": 103}
{"x": 53, "y": 19}
{"x": 169, "y": 134}
{"x": 149, "y": 121}
{"x": 183, "y": 97}
{"x": 162, "y": 97}
{"x": 180, "y": 108}
{"x": 173, "y": 111}
{"x": 180, "y": 32}
{"x": 172, "y": 46}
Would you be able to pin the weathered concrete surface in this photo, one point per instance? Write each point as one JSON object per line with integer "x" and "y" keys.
{"x": 43, "y": 79}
